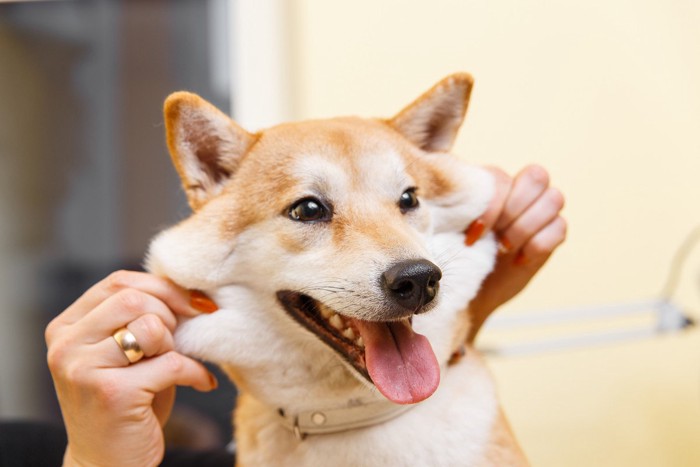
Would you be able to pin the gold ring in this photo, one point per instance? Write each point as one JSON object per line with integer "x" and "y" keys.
{"x": 127, "y": 342}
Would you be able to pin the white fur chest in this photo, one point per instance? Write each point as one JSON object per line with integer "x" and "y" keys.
{"x": 450, "y": 428}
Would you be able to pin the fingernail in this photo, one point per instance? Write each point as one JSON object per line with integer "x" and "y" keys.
{"x": 202, "y": 303}
{"x": 520, "y": 259}
{"x": 504, "y": 246}
{"x": 213, "y": 381}
{"x": 474, "y": 232}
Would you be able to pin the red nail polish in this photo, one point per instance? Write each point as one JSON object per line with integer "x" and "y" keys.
{"x": 201, "y": 302}
{"x": 474, "y": 232}
{"x": 504, "y": 245}
{"x": 520, "y": 259}
{"x": 214, "y": 382}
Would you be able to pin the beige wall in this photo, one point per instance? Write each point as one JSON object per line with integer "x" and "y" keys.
{"x": 606, "y": 95}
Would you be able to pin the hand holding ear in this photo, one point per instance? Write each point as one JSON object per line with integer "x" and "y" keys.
{"x": 114, "y": 406}
{"x": 525, "y": 215}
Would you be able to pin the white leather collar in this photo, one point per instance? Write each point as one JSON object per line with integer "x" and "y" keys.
{"x": 356, "y": 414}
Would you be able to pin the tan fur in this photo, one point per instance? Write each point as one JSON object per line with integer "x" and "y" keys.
{"x": 241, "y": 247}
{"x": 502, "y": 447}
{"x": 420, "y": 114}
{"x": 191, "y": 125}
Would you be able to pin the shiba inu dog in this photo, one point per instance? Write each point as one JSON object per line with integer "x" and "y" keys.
{"x": 335, "y": 250}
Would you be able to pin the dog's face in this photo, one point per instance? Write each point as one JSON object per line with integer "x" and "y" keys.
{"x": 342, "y": 226}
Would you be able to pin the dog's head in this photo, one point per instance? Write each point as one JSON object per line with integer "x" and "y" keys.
{"x": 351, "y": 228}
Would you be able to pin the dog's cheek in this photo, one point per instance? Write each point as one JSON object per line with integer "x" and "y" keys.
{"x": 280, "y": 254}
{"x": 423, "y": 220}
{"x": 454, "y": 211}
{"x": 298, "y": 239}
{"x": 189, "y": 256}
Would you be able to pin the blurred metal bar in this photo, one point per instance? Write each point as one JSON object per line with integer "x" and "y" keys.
{"x": 666, "y": 318}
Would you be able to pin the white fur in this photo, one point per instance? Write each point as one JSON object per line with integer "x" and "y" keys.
{"x": 449, "y": 429}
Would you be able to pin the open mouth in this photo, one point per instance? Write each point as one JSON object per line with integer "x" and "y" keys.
{"x": 397, "y": 360}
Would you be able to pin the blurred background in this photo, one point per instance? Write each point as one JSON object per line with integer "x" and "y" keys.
{"x": 594, "y": 363}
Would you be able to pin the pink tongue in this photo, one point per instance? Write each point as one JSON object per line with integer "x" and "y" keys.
{"x": 400, "y": 362}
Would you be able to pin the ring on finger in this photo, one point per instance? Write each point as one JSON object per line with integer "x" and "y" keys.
{"x": 127, "y": 342}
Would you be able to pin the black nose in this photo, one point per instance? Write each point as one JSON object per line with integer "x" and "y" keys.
{"x": 412, "y": 284}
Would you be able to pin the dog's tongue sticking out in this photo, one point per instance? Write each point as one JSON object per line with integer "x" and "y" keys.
{"x": 400, "y": 362}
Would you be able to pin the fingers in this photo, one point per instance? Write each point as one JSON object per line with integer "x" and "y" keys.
{"x": 138, "y": 385}
{"x": 119, "y": 310}
{"x": 157, "y": 374}
{"x": 176, "y": 298}
{"x": 539, "y": 213}
{"x": 520, "y": 214}
{"x": 513, "y": 195}
{"x": 152, "y": 335}
{"x": 152, "y": 377}
{"x": 120, "y": 299}
{"x": 541, "y": 245}
{"x": 82, "y": 336}
{"x": 526, "y": 188}
{"x": 502, "y": 186}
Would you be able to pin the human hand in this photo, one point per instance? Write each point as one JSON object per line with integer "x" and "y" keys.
{"x": 113, "y": 410}
{"x": 525, "y": 215}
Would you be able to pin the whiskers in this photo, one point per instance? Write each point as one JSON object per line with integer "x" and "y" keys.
{"x": 451, "y": 260}
{"x": 340, "y": 294}
{"x": 446, "y": 257}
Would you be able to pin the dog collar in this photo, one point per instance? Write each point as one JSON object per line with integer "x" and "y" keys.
{"x": 356, "y": 414}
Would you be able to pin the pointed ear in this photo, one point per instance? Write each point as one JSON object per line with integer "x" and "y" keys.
{"x": 431, "y": 122}
{"x": 206, "y": 146}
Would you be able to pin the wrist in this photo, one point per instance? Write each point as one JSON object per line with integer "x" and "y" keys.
{"x": 479, "y": 310}
{"x": 70, "y": 460}
{"x": 481, "y": 307}
{"x": 99, "y": 458}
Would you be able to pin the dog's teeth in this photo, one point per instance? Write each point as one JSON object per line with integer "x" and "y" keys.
{"x": 326, "y": 312}
{"x": 360, "y": 342}
{"x": 349, "y": 334}
{"x": 336, "y": 322}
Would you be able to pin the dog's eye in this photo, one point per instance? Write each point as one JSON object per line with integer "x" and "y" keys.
{"x": 309, "y": 210}
{"x": 408, "y": 200}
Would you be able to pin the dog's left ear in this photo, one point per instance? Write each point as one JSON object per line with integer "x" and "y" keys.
{"x": 206, "y": 146}
{"x": 431, "y": 122}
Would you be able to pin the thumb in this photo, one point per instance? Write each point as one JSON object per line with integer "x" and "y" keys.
{"x": 163, "y": 405}
{"x": 502, "y": 186}
{"x": 173, "y": 369}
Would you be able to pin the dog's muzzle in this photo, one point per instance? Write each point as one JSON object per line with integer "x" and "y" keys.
{"x": 385, "y": 350}
{"x": 412, "y": 284}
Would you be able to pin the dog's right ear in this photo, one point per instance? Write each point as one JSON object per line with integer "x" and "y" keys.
{"x": 206, "y": 146}
{"x": 431, "y": 122}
